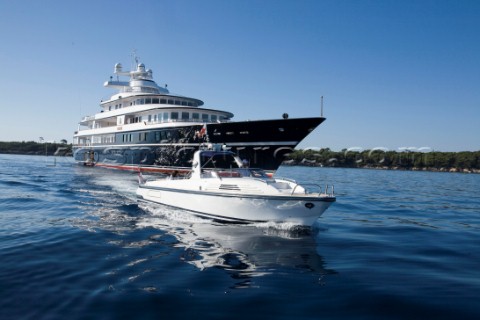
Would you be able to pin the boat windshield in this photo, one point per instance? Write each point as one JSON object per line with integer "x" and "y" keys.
{"x": 224, "y": 164}
{"x": 235, "y": 173}
{"x": 252, "y": 172}
{"x": 218, "y": 161}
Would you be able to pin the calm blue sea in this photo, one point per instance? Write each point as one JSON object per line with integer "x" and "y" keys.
{"x": 74, "y": 244}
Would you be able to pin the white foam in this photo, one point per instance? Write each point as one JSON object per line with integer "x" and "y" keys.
{"x": 169, "y": 213}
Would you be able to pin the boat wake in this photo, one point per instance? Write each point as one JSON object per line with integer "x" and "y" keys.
{"x": 170, "y": 214}
{"x": 287, "y": 230}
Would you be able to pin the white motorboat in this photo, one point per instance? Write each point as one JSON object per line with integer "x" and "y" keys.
{"x": 223, "y": 188}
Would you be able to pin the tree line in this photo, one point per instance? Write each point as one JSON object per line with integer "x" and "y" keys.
{"x": 465, "y": 161}
{"x": 36, "y": 148}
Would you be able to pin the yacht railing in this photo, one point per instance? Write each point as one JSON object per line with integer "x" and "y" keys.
{"x": 88, "y": 118}
{"x": 152, "y": 123}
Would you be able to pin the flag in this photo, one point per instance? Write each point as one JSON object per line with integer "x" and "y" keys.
{"x": 202, "y": 132}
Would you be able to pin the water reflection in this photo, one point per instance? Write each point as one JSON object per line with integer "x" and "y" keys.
{"x": 244, "y": 251}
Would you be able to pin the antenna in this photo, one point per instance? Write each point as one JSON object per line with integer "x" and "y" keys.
{"x": 134, "y": 59}
{"x": 321, "y": 106}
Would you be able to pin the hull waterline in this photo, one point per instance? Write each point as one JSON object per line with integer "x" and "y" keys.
{"x": 299, "y": 210}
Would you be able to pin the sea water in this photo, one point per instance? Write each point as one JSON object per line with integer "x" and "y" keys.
{"x": 74, "y": 244}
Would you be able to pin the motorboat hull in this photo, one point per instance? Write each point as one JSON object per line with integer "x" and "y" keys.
{"x": 240, "y": 208}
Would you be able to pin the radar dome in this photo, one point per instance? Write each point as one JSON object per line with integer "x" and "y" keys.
{"x": 118, "y": 67}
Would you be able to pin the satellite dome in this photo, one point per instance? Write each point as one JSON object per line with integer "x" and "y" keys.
{"x": 118, "y": 67}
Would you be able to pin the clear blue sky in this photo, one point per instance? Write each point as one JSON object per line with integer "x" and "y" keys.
{"x": 394, "y": 73}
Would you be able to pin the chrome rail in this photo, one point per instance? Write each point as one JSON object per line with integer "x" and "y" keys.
{"x": 332, "y": 188}
{"x": 326, "y": 192}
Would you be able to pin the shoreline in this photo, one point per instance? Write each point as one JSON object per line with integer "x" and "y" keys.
{"x": 434, "y": 161}
{"x": 395, "y": 168}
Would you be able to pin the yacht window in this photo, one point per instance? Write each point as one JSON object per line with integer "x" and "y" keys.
{"x": 190, "y": 104}
{"x": 184, "y": 103}
{"x": 149, "y": 118}
{"x": 155, "y": 100}
{"x": 109, "y": 108}
{"x": 142, "y": 136}
{"x": 214, "y": 118}
{"x": 205, "y": 116}
{"x": 165, "y": 116}
{"x": 154, "y": 118}
{"x": 170, "y": 101}
{"x": 174, "y": 115}
{"x": 163, "y": 101}
{"x": 178, "y": 103}
{"x": 195, "y": 116}
{"x": 157, "y": 136}
{"x": 127, "y": 138}
{"x": 148, "y": 101}
{"x": 185, "y": 115}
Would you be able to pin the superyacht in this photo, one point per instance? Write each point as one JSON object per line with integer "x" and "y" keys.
{"x": 144, "y": 126}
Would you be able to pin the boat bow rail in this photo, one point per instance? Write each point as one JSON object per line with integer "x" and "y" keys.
{"x": 329, "y": 191}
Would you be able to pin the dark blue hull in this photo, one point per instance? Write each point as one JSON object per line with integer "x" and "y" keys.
{"x": 262, "y": 144}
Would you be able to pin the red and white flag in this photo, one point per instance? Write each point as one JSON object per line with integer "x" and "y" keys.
{"x": 203, "y": 131}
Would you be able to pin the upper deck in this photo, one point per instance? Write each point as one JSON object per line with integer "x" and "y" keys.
{"x": 141, "y": 100}
{"x": 140, "y": 83}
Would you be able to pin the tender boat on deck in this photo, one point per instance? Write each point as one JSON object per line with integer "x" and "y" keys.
{"x": 223, "y": 188}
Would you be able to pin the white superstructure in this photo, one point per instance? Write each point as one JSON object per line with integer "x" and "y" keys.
{"x": 140, "y": 102}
